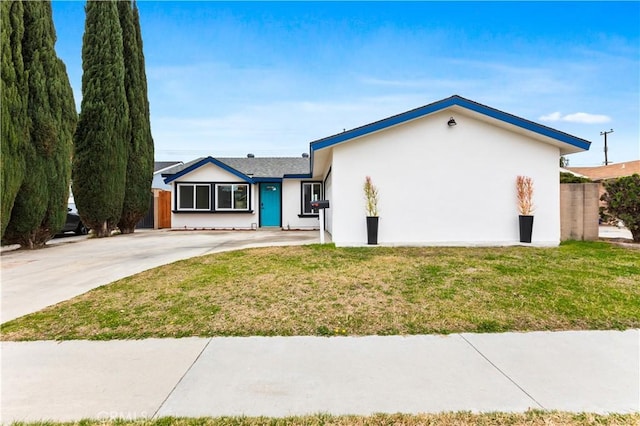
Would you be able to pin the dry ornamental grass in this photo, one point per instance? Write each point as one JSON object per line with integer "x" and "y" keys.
{"x": 524, "y": 190}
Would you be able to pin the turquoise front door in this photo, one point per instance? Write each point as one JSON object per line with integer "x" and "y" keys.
{"x": 270, "y": 204}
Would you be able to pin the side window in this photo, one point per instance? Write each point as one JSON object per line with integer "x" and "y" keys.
{"x": 185, "y": 197}
{"x": 311, "y": 191}
{"x": 194, "y": 196}
{"x": 232, "y": 197}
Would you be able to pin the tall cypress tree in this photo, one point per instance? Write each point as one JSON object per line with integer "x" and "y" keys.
{"x": 39, "y": 209}
{"x": 140, "y": 143}
{"x": 101, "y": 138}
{"x": 63, "y": 114}
{"x": 13, "y": 103}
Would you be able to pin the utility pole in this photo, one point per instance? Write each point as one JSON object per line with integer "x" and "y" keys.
{"x": 605, "y": 133}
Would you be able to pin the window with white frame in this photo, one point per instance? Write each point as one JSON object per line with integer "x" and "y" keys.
{"x": 232, "y": 196}
{"x": 311, "y": 191}
{"x": 193, "y": 196}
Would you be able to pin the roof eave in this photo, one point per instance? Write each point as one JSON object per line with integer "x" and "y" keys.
{"x": 297, "y": 176}
{"x": 209, "y": 160}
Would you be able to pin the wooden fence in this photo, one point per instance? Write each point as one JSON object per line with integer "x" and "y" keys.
{"x": 159, "y": 214}
{"x": 164, "y": 209}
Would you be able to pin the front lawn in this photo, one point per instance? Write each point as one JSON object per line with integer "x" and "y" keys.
{"x": 323, "y": 290}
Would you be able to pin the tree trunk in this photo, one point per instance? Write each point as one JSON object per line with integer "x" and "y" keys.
{"x": 127, "y": 229}
{"x": 103, "y": 230}
{"x": 33, "y": 242}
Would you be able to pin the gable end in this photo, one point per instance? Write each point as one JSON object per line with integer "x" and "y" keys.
{"x": 454, "y": 100}
{"x": 204, "y": 161}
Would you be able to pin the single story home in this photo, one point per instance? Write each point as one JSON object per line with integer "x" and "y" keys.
{"x": 445, "y": 173}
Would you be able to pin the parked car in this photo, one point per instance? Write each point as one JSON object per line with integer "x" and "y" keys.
{"x": 73, "y": 223}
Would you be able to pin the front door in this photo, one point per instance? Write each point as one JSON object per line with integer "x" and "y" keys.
{"x": 270, "y": 204}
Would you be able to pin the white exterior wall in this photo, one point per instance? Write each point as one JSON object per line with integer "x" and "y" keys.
{"x": 292, "y": 207}
{"x": 209, "y": 173}
{"x": 441, "y": 185}
{"x": 328, "y": 194}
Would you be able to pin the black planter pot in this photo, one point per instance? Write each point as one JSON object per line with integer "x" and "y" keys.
{"x": 372, "y": 229}
{"x": 526, "y": 228}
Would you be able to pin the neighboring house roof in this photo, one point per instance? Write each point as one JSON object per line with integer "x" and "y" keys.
{"x": 160, "y": 166}
{"x": 250, "y": 169}
{"x": 610, "y": 171}
{"x": 180, "y": 167}
{"x": 563, "y": 170}
{"x": 452, "y": 101}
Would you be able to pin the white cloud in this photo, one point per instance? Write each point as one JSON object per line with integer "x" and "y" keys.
{"x": 554, "y": 116}
{"x": 583, "y": 117}
{"x": 578, "y": 117}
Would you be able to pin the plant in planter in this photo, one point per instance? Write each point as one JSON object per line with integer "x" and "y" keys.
{"x": 371, "y": 199}
{"x": 524, "y": 188}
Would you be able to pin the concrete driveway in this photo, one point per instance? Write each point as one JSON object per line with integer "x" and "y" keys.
{"x": 70, "y": 266}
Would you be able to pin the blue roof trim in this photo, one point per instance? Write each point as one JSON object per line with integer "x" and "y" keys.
{"x": 440, "y": 105}
{"x": 266, "y": 180}
{"x": 298, "y": 176}
{"x": 209, "y": 160}
{"x": 525, "y": 124}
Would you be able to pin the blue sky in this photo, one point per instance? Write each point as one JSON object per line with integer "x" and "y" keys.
{"x": 227, "y": 79}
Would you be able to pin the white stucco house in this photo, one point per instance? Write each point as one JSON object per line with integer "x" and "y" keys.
{"x": 445, "y": 172}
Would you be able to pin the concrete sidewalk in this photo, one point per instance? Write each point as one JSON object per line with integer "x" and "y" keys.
{"x": 592, "y": 371}
{"x": 605, "y": 231}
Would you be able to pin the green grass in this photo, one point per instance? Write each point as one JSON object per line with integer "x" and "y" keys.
{"x": 530, "y": 418}
{"x": 323, "y": 290}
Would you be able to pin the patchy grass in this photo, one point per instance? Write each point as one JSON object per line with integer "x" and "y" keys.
{"x": 323, "y": 290}
{"x": 530, "y": 418}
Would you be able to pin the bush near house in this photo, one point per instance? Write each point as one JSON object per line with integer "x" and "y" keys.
{"x": 623, "y": 202}
{"x": 571, "y": 178}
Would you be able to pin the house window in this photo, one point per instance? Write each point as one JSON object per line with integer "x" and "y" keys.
{"x": 232, "y": 197}
{"x": 311, "y": 191}
{"x": 194, "y": 197}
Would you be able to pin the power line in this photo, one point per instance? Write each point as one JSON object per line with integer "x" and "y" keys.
{"x": 606, "y": 158}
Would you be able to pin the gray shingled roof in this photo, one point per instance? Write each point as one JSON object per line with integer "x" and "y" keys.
{"x": 159, "y": 165}
{"x": 259, "y": 167}
{"x": 268, "y": 166}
